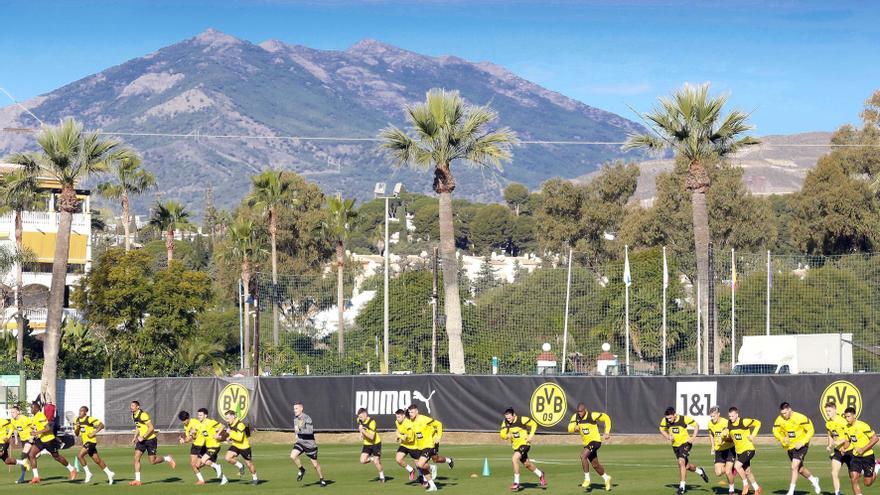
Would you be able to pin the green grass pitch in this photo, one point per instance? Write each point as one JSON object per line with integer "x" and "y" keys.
{"x": 635, "y": 470}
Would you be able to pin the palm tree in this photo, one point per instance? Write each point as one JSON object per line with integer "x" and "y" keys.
{"x": 68, "y": 155}
{"x": 337, "y": 229}
{"x": 442, "y": 130}
{"x": 130, "y": 180}
{"x": 19, "y": 192}
{"x": 270, "y": 191}
{"x": 244, "y": 245}
{"x": 690, "y": 123}
{"x": 168, "y": 217}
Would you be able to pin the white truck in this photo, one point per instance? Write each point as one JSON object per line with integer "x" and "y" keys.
{"x": 793, "y": 354}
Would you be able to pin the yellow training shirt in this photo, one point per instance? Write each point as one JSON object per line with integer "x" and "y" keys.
{"x": 238, "y": 435}
{"x": 22, "y": 426}
{"x": 191, "y": 430}
{"x": 678, "y": 429}
{"x": 6, "y": 430}
{"x": 141, "y": 422}
{"x": 587, "y": 426}
{"x": 370, "y": 427}
{"x": 859, "y": 434}
{"x": 87, "y": 427}
{"x": 41, "y": 422}
{"x": 719, "y": 441}
{"x": 405, "y": 434}
{"x": 797, "y": 429}
{"x": 836, "y": 427}
{"x": 423, "y": 429}
{"x": 208, "y": 429}
{"x": 739, "y": 433}
{"x": 518, "y": 431}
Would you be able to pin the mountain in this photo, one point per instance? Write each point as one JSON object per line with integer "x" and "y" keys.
{"x": 776, "y": 166}
{"x": 216, "y": 84}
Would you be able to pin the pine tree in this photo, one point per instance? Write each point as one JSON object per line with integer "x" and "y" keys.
{"x": 485, "y": 278}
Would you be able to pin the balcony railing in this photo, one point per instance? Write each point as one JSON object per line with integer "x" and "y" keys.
{"x": 46, "y": 220}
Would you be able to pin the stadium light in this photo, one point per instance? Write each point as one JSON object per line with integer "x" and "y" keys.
{"x": 379, "y": 193}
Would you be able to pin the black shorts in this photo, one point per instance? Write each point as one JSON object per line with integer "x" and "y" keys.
{"x": 197, "y": 450}
{"x": 725, "y": 456}
{"x": 310, "y": 452}
{"x": 683, "y": 451}
{"x": 845, "y": 458}
{"x": 424, "y": 453}
{"x": 436, "y": 450}
{"x": 244, "y": 453}
{"x": 523, "y": 453}
{"x": 592, "y": 449}
{"x": 863, "y": 465}
{"x": 372, "y": 450}
{"x": 799, "y": 454}
{"x": 745, "y": 458}
{"x": 836, "y": 455}
{"x": 212, "y": 453}
{"x": 149, "y": 446}
{"x": 403, "y": 450}
{"x": 4, "y": 451}
{"x": 50, "y": 446}
{"x": 91, "y": 448}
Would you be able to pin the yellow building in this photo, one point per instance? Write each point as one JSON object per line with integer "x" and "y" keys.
{"x": 39, "y": 230}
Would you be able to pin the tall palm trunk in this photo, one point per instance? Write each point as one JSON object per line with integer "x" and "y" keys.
{"x": 126, "y": 221}
{"x": 340, "y": 296}
{"x": 273, "y": 230}
{"x": 444, "y": 184}
{"x": 52, "y": 338}
{"x": 19, "y": 288}
{"x": 169, "y": 244}
{"x": 697, "y": 182}
{"x": 246, "y": 285}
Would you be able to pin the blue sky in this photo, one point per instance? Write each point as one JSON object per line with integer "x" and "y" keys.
{"x": 798, "y": 65}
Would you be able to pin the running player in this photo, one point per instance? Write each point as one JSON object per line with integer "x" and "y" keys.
{"x": 305, "y": 443}
{"x": 44, "y": 431}
{"x": 6, "y": 433}
{"x": 435, "y": 454}
{"x": 145, "y": 440}
{"x": 520, "y": 430}
{"x": 794, "y": 432}
{"x": 191, "y": 434}
{"x": 722, "y": 447}
{"x": 424, "y": 431}
{"x": 835, "y": 425}
{"x": 860, "y": 440}
{"x": 209, "y": 430}
{"x": 239, "y": 434}
{"x": 406, "y": 442}
{"x": 742, "y": 431}
{"x": 372, "y": 449}
{"x": 87, "y": 427}
{"x": 23, "y": 429}
{"x": 675, "y": 428}
{"x": 586, "y": 424}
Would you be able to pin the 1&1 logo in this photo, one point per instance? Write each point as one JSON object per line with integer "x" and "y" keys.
{"x": 548, "y": 404}
{"x": 844, "y": 394}
{"x": 234, "y": 397}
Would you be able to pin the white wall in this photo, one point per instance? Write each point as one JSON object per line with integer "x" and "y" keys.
{"x": 72, "y": 395}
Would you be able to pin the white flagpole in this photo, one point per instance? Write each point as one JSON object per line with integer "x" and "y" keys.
{"x": 699, "y": 340}
{"x": 665, "y": 284}
{"x": 769, "y": 275}
{"x": 627, "y": 280}
{"x": 732, "y": 308}
{"x": 565, "y": 319}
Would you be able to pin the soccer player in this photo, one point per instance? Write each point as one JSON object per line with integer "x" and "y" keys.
{"x": 860, "y": 440}
{"x": 209, "y": 430}
{"x": 835, "y": 425}
{"x": 520, "y": 430}
{"x": 22, "y": 428}
{"x": 87, "y": 428}
{"x": 305, "y": 443}
{"x": 424, "y": 431}
{"x": 44, "y": 430}
{"x": 742, "y": 431}
{"x": 722, "y": 447}
{"x": 239, "y": 433}
{"x": 145, "y": 440}
{"x": 6, "y": 433}
{"x": 435, "y": 455}
{"x": 372, "y": 449}
{"x": 794, "y": 432}
{"x": 406, "y": 442}
{"x": 675, "y": 428}
{"x": 586, "y": 424}
{"x": 191, "y": 434}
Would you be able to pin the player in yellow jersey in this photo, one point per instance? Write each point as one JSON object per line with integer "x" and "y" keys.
{"x": 239, "y": 435}
{"x": 676, "y": 428}
{"x": 794, "y": 432}
{"x": 423, "y": 431}
{"x": 435, "y": 454}
{"x": 191, "y": 434}
{"x": 145, "y": 440}
{"x": 44, "y": 433}
{"x": 586, "y": 424}
{"x": 21, "y": 428}
{"x": 860, "y": 441}
{"x": 742, "y": 431}
{"x": 7, "y": 431}
{"x": 835, "y": 425}
{"x": 520, "y": 430}
{"x": 87, "y": 427}
{"x": 372, "y": 448}
{"x": 210, "y": 430}
{"x": 722, "y": 448}
{"x": 406, "y": 442}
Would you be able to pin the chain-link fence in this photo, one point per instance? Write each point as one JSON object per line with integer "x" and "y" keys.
{"x": 512, "y": 308}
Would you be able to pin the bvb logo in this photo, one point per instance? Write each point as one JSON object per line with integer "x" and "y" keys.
{"x": 236, "y": 398}
{"x": 548, "y": 404}
{"x": 844, "y": 394}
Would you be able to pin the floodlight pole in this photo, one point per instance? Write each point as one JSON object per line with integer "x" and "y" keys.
{"x": 385, "y": 289}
